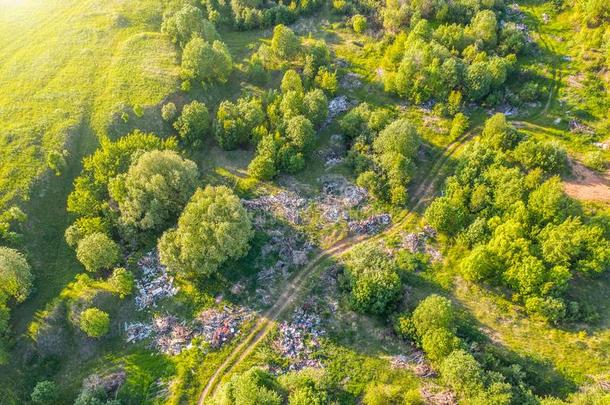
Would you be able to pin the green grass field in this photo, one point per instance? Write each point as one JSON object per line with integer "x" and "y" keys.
{"x": 65, "y": 64}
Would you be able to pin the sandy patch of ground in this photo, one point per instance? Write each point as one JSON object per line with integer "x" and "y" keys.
{"x": 587, "y": 184}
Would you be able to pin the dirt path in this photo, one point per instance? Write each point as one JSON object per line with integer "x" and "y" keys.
{"x": 293, "y": 290}
{"x": 587, "y": 184}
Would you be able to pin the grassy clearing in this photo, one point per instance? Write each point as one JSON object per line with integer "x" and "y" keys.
{"x": 64, "y": 61}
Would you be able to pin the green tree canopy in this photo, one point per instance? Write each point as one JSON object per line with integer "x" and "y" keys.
{"x": 97, "y": 252}
{"x": 213, "y": 228}
{"x": 15, "y": 275}
{"x": 193, "y": 123}
{"x": 206, "y": 61}
{"x": 154, "y": 190}
{"x": 284, "y": 42}
{"x": 94, "y": 322}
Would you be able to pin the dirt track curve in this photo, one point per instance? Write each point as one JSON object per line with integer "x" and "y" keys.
{"x": 292, "y": 291}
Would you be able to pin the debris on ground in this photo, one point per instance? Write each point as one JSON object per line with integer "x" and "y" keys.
{"x": 351, "y": 80}
{"x": 292, "y": 250}
{"x": 287, "y": 204}
{"x": 438, "y": 398}
{"x": 338, "y": 196}
{"x": 416, "y": 362}
{"x": 337, "y": 106}
{"x": 299, "y": 339}
{"x": 371, "y": 225}
{"x": 578, "y": 127}
{"x": 419, "y": 242}
{"x": 155, "y": 282}
{"x": 109, "y": 383}
{"x": 170, "y": 335}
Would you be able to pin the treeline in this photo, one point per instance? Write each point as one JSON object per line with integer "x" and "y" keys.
{"x": 243, "y": 14}
{"x": 506, "y": 207}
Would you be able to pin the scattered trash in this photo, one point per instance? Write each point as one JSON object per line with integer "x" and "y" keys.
{"x": 336, "y": 106}
{"x": 155, "y": 283}
{"x": 171, "y": 335}
{"x": 287, "y": 204}
{"x": 438, "y": 398}
{"x": 351, "y": 81}
{"x": 578, "y": 127}
{"x": 418, "y": 242}
{"x": 557, "y": 121}
{"x": 299, "y": 339}
{"x": 371, "y": 225}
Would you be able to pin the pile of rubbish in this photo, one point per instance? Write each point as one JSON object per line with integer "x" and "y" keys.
{"x": 438, "y": 398}
{"x": 155, "y": 282}
{"x": 351, "y": 81}
{"x": 338, "y": 196}
{"x": 419, "y": 243}
{"x": 371, "y": 225}
{"x": 287, "y": 204}
{"x": 416, "y": 361}
{"x": 337, "y": 106}
{"x": 171, "y": 335}
{"x": 299, "y": 339}
{"x": 109, "y": 383}
{"x": 219, "y": 327}
{"x": 578, "y": 127}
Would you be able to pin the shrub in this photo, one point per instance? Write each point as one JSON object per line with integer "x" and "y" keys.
{"x": 97, "y": 252}
{"x": 434, "y": 312}
{"x": 121, "y": 281}
{"x": 194, "y": 123}
{"x": 459, "y": 125}
{"x": 327, "y": 81}
{"x": 595, "y": 160}
{"x": 45, "y": 393}
{"x": 359, "y": 23}
{"x": 94, "y": 322}
{"x": 169, "y": 111}
{"x": 463, "y": 373}
{"x": 15, "y": 275}
{"x": 438, "y": 343}
{"x": 284, "y": 42}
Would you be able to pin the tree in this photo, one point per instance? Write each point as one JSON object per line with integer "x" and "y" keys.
{"x": 45, "y": 393}
{"x": 434, "y": 312}
{"x": 291, "y": 82}
{"x": 459, "y": 125}
{"x": 373, "y": 280}
{"x": 483, "y": 28}
{"x": 194, "y": 123}
{"x": 499, "y": 134}
{"x": 187, "y": 23}
{"x": 236, "y": 122}
{"x": 121, "y": 281}
{"x": 359, "y": 23}
{"x": 316, "y": 106}
{"x": 550, "y": 157}
{"x": 94, "y": 322}
{"x": 463, "y": 373}
{"x": 169, "y": 111}
{"x": 213, "y": 228}
{"x": 438, "y": 343}
{"x": 254, "y": 386}
{"x": 85, "y": 226}
{"x": 97, "y": 252}
{"x": 399, "y": 137}
{"x": 206, "y": 61}
{"x": 327, "y": 81}
{"x": 446, "y": 215}
{"x": 548, "y": 202}
{"x": 480, "y": 264}
{"x": 15, "y": 274}
{"x": 284, "y": 43}
{"x": 154, "y": 190}
{"x": 300, "y": 132}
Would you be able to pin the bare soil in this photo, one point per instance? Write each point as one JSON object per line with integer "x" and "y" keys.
{"x": 586, "y": 184}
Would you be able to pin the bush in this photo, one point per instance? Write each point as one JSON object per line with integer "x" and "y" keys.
{"x": 45, "y": 393}
{"x": 97, "y": 252}
{"x": 284, "y": 43}
{"x": 595, "y": 160}
{"x": 434, "y": 312}
{"x": 194, "y": 123}
{"x": 121, "y": 281}
{"x": 15, "y": 275}
{"x": 463, "y": 373}
{"x": 438, "y": 343}
{"x": 206, "y": 61}
{"x": 327, "y": 81}
{"x": 459, "y": 125}
{"x": 84, "y": 226}
{"x": 359, "y": 23}
{"x": 94, "y": 322}
{"x": 169, "y": 111}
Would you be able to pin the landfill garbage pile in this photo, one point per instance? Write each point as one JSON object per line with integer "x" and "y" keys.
{"x": 286, "y": 204}
{"x": 351, "y": 81}
{"x": 219, "y": 327}
{"x": 438, "y": 398}
{"x": 577, "y": 127}
{"x": 299, "y": 339}
{"x": 370, "y": 226}
{"x": 419, "y": 242}
{"x": 109, "y": 383}
{"x": 338, "y": 196}
{"x": 337, "y": 106}
{"x": 416, "y": 362}
{"x": 155, "y": 282}
{"x": 171, "y": 335}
